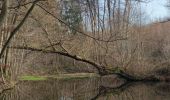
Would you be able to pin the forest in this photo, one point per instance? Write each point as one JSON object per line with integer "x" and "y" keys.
{"x": 81, "y": 39}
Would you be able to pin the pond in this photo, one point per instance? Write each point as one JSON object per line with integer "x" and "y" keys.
{"x": 87, "y": 89}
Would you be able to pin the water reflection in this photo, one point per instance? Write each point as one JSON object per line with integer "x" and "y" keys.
{"x": 87, "y": 89}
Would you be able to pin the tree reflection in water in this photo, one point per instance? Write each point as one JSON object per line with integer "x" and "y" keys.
{"x": 87, "y": 89}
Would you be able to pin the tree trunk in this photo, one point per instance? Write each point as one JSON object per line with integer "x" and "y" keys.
{"x": 101, "y": 69}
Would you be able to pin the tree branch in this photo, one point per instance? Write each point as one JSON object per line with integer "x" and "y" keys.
{"x": 3, "y": 11}
{"x": 101, "y": 69}
{"x": 24, "y": 4}
{"x": 61, "y": 21}
{"x": 17, "y": 28}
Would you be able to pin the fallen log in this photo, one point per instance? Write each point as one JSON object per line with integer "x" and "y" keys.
{"x": 102, "y": 70}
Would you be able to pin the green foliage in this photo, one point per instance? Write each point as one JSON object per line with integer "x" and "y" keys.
{"x": 72, "y": 15}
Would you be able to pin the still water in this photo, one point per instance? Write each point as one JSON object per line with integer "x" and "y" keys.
{"x": 87, "y": 89}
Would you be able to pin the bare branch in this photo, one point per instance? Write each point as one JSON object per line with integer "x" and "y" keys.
{"x": 101, "y": 69}
{"x": 20, "y": 5}
{"x": 61, "y": 21}
{"x": 17, "y": 28}
{"x": 3, "y": 11}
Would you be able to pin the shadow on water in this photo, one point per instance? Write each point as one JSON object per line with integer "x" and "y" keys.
{"x": 87, "y": 89}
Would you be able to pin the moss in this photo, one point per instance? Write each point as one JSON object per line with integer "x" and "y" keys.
{"x": 61, "y": 76}
{"x": 117, "y": 70}
{"x": 33, "y": 78}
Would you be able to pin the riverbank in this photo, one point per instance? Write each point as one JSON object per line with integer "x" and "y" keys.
{"x": 59, "y": 76}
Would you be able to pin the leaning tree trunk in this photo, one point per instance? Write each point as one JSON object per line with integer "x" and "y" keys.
{"x": 102, "y": 70}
